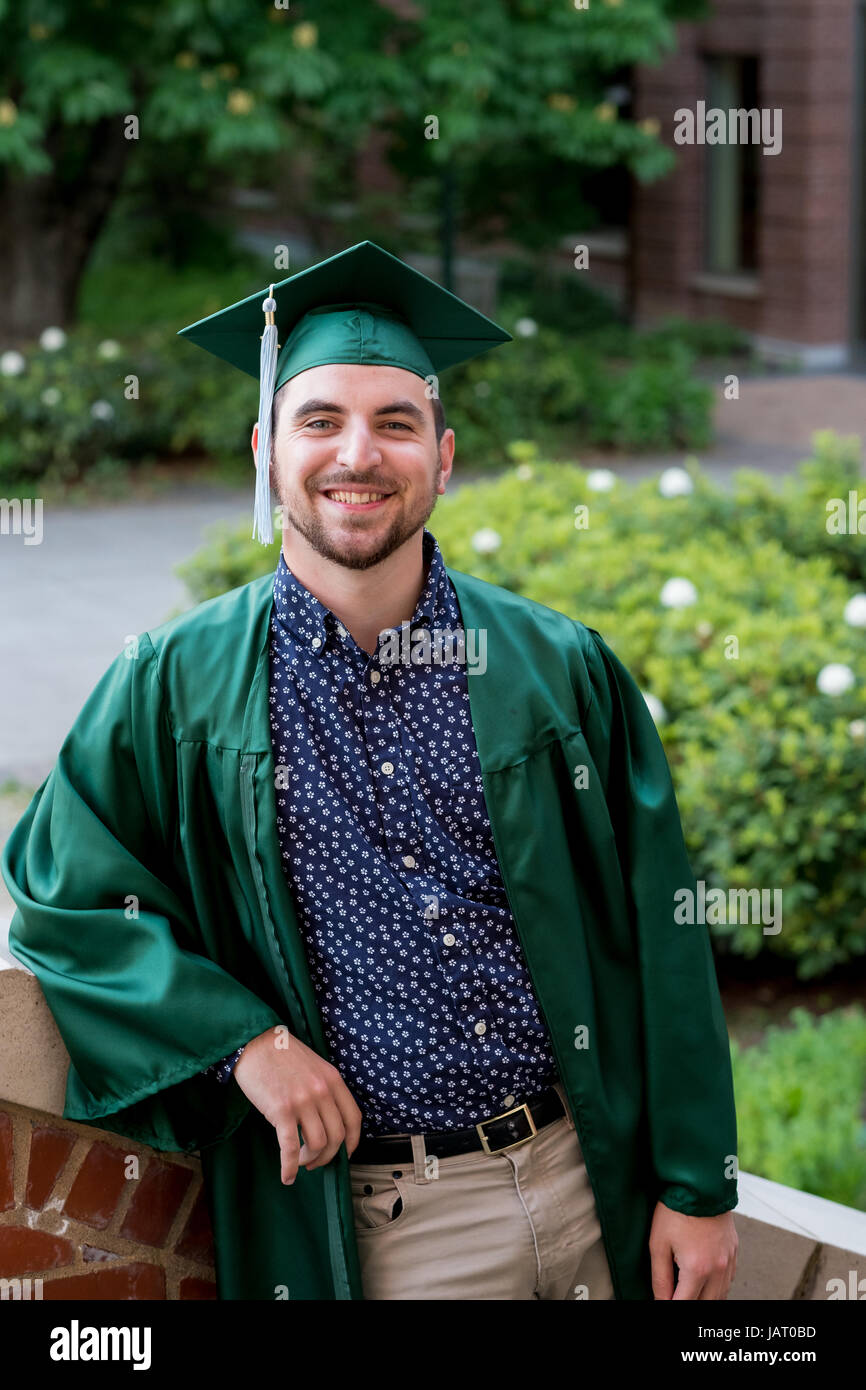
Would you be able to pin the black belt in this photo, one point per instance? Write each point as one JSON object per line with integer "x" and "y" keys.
{"x": 493, "y": 1135}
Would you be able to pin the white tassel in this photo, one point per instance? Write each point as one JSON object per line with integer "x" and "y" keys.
{"x": 263, "y": 520}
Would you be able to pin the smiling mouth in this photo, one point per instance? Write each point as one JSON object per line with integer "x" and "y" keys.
{"x": 362, "y": 499}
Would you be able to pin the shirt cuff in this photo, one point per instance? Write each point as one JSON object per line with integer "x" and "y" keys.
{"x": 223, "y": 1070}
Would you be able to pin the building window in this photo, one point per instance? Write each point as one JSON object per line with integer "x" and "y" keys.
{"x": 731, "y": 182}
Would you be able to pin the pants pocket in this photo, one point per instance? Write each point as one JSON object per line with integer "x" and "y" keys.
{"x": 380, "y": 1201}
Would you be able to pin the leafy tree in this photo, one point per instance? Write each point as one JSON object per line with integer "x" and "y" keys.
{"x": 176, "y": 99}
{"x": 520, "y": 104}
{"x": 196, "y": 89}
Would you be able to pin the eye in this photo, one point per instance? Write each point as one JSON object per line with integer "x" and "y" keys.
{"x": 310, "y": 423}
{"x": 401, "y": 424}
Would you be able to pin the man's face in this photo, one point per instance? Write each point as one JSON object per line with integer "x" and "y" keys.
{"x": 344, "y": 432}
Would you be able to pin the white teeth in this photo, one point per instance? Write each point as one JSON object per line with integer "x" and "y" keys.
{"x": 357, "y": 497}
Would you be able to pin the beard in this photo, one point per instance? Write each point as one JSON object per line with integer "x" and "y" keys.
{"x": 300, "y": 512}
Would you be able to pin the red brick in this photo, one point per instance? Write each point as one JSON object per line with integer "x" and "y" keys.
{"x": 7, "y": 1163}
{"x": 196, "y": 1242}
{"x": 127, "y": 1282}
{"x": 49, "y": 1150}
{"x": 197, "y": 1288}
{"x": 155, "y": 1203}
{"x": 25, "y": 1251}
{"x": 97, "y": 1188}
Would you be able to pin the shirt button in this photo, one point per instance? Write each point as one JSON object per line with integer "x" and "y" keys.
{"x": 409, "y": 861}
{"x": 316, "y": 642}
{"x": 388, "y": 767}
{"x": 375, "y": 677}
{"x": 508, "y": 1102}
{"x": 481, "y": 1027}
{"x": 449, "y": 939}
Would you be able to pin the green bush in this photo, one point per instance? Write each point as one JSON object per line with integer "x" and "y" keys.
{"x": 614, "y": 390}
{"x": 572, "y": 377}
{"x": 794, "y": 510}
{"x": 768, "y": 769}
{"x": 66, "y": 411}
{"x": 705, "y": 337}
{"x": 653, "y": 404}
{"x": 799, "y": 1096}
{"x": 566, "y": 302}
{"x": 75, "y": 409}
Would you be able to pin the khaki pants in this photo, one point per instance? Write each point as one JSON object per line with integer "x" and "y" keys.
{"x": 515, "y": 1225}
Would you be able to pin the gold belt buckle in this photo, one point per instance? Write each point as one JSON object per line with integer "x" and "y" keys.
{"x": 483, "y": 1137}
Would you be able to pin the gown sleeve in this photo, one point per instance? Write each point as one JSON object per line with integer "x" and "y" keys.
{"x": 103, "y": 922}
{"x": 688, "y": 1076}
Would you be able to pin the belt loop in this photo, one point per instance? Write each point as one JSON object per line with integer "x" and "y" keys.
{"x": 419, "y": 1156}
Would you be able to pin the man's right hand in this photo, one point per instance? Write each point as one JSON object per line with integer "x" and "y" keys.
{"x": 292, "y": 1085}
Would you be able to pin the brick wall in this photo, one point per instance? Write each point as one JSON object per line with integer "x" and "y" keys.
{"x": 805, "y": 49}
{"x": 95, "y": 1216}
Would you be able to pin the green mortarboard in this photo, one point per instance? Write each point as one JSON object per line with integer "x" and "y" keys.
{"x": 363, "y": 306}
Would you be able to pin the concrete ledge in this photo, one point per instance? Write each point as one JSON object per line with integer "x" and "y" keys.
{"x": 733, "y": 286}
{"x": 33, "y": 1058}
{"x": 812, "y": 357}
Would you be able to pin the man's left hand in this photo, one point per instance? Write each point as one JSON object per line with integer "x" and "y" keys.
{"x": 705, "y": 1251}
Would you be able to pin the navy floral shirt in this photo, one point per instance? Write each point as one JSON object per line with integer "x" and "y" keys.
{"x": 425, "y": 999}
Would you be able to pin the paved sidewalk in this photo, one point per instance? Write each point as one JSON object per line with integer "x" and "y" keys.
{"x": 769, "y": 428}
{"x": 773, "y": 421}
{"x": 99, "y": 575}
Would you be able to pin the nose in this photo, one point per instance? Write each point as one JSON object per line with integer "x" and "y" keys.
{"x": 358, "y": 446}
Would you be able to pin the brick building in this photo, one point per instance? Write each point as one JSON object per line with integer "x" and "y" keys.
{"x": 774, "y": 243}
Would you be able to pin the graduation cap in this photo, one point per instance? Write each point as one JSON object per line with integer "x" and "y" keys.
{"x": 363, "y": 306}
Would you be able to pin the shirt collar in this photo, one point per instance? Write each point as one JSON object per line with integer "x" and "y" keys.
{"x": 301, "y": 617}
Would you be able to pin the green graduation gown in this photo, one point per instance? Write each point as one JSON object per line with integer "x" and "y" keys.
{"x": 152, "y": 905}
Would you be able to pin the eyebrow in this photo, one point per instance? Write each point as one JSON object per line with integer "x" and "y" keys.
{"x": 404, "y": 407}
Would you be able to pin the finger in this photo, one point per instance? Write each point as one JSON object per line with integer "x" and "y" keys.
{"x": 351, "y": 1117}
{"x": 712, "y": 1290}
{"x": 662, "y": 1274}
{"x": 689, "y": 1285}
{"x": 312, "y": 1129}
{"x": 333, "y": 1130}
{"x": 719, "y": 1280}
{"x": 287, "y": 1134}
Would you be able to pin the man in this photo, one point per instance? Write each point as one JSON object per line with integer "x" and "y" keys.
{"x": 422, "y": 913}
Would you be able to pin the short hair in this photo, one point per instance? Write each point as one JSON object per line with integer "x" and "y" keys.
{"x": 438, "y": 416}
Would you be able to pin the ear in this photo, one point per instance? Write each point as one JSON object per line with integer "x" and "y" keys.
{"x": 446, "y": 452}
{"x": 255, "y": 442}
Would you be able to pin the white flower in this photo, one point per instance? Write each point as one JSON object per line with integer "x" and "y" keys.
{"x": 11, "y": 363}
{"x": 675, "y": 482}
{"x": 835, "y": 679}
{"x": 857, "y": 729}
{"x": 600, "y": 480}
{"x": 486, "y": 540}
{"x": 655, "y": 707}
{"x": 108, "y": 349}
{"x": 482, "y": 388}
{"x": 50, "y": 396}
{"x": 678, "y": 593}
{"x": 52, "y": 339}
{"x": 524, "y": 471}
{"x": 102, "y": 410}
{"x": 855, "y": 611}
{"x": 704, "y": 629}
{"x": 526, "y": 328}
